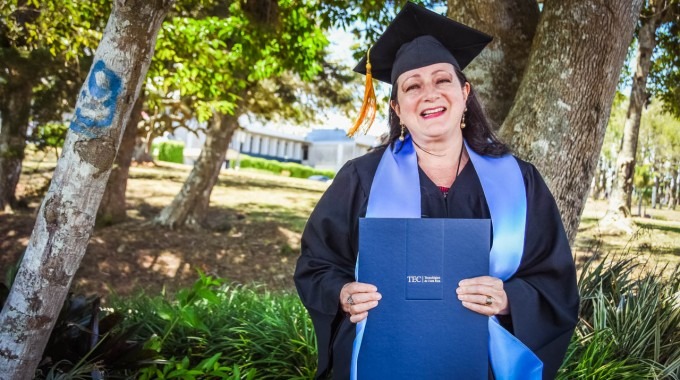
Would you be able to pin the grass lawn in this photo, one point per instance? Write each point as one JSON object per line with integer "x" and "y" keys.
{"x": 656, "y": 236}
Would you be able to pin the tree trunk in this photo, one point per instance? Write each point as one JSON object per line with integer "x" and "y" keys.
{"x": 655, "y": 191}
{"x": 497, "y": 72}
{"x": 15, "y": 107}
{"x": 66, "y": 217}
{"x": 112, "y": 207}
{"x": 673, "y": 190}
{"x": 620, "y": 199}
{"x": 599, "y": 182}
{"x": 191, "y": 204}
{"x": 640, "y": 196}
{"x": 140, "y": 154}
{"x": 562, "y": 106}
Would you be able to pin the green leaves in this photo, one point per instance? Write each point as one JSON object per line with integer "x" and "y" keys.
{"x": 32, "y": 25}
{"x": 628, "y": 325}
{"x": 209, "y": 368}
{"x": 211, "y": 60}
{"x": 49, "y": 136}
{"x": 665, "y": 73}
{"x": 234, "y": 331}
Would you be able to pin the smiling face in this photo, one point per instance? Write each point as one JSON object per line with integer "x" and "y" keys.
{"x": 430, "y": 102}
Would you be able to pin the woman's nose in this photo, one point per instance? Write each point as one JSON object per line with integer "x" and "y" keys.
{"x": 431, "y": 92}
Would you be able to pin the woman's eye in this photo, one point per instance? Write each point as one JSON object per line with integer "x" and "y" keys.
{"x": 443, "y": 80}
{"x": 411, "y": 87}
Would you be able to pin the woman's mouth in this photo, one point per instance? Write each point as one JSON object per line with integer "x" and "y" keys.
{"x": 432, "y": 112}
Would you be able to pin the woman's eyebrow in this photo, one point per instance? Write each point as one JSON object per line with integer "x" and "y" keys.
{"x": 412, "y": 76}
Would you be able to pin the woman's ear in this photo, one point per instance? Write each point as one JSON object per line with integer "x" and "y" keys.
{"x": 466, "y": 91}
{"x": 395, "y": 107}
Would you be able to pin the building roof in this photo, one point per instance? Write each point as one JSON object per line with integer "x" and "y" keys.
{"x": 327, "y": 135}
{"x": 336, "y": 135}
{"x": 273, "y": 133}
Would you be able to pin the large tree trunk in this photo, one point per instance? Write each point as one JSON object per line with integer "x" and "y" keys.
{"x": 599, "y": 181}
{"x": 620, "y": 199}
{"x": 112, "y": 207}
{"x": 191, "y": 204}
{"x": 67, "y": 214}
{"x": 674, "y": 190}
{"x": 562, "y": 106}
{"x": 15, "y": 107}
{"x": 497, "y": 72}
{"x": 655, "y": 190}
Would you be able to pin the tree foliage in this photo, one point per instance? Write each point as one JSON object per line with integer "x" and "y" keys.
{"x": 658, "y": 148}
{"x": 52, "y": 52}
{"x": 665, "y": 74}
{"x": 209, "y": 61}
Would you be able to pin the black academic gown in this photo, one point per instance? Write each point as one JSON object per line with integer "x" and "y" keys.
{"x": 542, "y": 294}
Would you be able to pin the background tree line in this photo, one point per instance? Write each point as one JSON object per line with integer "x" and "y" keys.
{"x": 548, "y": 80}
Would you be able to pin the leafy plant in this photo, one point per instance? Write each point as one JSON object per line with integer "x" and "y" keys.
{"x": 87, "y": 341}
{"x": 6, "y": 285}
{"x": 628, "y": 325}
{"x": 257, "y": 331}
{"x": 49, "y": 136}
{"x": 182, "y": 369}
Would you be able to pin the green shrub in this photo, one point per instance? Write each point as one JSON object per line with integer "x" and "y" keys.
{"x": 298, "y": 171}
{"x": 209, "y": 368}
{"x": 291, "y": 168}
{"x": 265, "y": 335}
{"x": 170, "y": 151}
{"x": 49, "y": 136}
{"x": 73, "y": 353}
{"x": 629, "y": 323}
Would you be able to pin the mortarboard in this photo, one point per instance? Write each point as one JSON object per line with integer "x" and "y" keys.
{"x": 417, "y": 37}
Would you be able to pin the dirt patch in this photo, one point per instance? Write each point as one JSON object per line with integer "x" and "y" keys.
{"x": 138, "y": 255}
{"x": 252, "y": 235}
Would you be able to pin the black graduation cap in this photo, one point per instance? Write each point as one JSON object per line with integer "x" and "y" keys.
{"x": 397, "y": 49}
{"x": 417, "y": 37}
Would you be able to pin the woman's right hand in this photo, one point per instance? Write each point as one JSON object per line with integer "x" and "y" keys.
{"x": 357, "y": 298}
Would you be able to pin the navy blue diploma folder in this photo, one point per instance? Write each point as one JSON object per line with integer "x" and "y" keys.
{"x": 420, "y": 330}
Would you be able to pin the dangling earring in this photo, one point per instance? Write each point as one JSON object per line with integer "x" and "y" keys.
{"x": 462, "y": 120}
{"x": 403, "y": 129}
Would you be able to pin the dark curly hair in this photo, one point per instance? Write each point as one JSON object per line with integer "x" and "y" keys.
{"x": 478, "y": 132}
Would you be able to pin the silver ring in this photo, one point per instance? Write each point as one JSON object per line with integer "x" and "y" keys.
{"x": 489, "y": 301}
{"x": 350, "y": 300}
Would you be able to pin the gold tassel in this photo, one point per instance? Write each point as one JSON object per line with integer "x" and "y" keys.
{"x": 369, "y": 106}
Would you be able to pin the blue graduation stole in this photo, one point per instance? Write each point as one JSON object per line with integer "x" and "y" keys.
{"x": 395, "y": 193}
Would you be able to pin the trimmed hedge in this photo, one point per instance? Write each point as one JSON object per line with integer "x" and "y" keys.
{"x": 290, "y": 169}
{"x": 170, "y": 151}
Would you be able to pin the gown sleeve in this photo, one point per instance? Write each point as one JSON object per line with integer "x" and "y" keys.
{"x": 328, "y": 257}
{"x": 543, "y": 294}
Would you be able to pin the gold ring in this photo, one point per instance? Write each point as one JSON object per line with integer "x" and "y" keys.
{"x": 489, "y": 301}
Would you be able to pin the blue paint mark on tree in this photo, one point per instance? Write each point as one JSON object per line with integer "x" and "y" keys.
{"x": 97, "y": 101}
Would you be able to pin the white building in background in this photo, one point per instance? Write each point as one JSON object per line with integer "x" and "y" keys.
{"x": 271, "y": 145}
{"x": 329, "y": 149}
{"x": 325, "y": 149}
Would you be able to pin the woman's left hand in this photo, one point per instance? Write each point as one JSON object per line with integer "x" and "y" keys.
{"x": 484, "y": 295}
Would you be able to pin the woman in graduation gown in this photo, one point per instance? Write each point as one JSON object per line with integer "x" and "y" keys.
{"x": 435, "y": 111}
